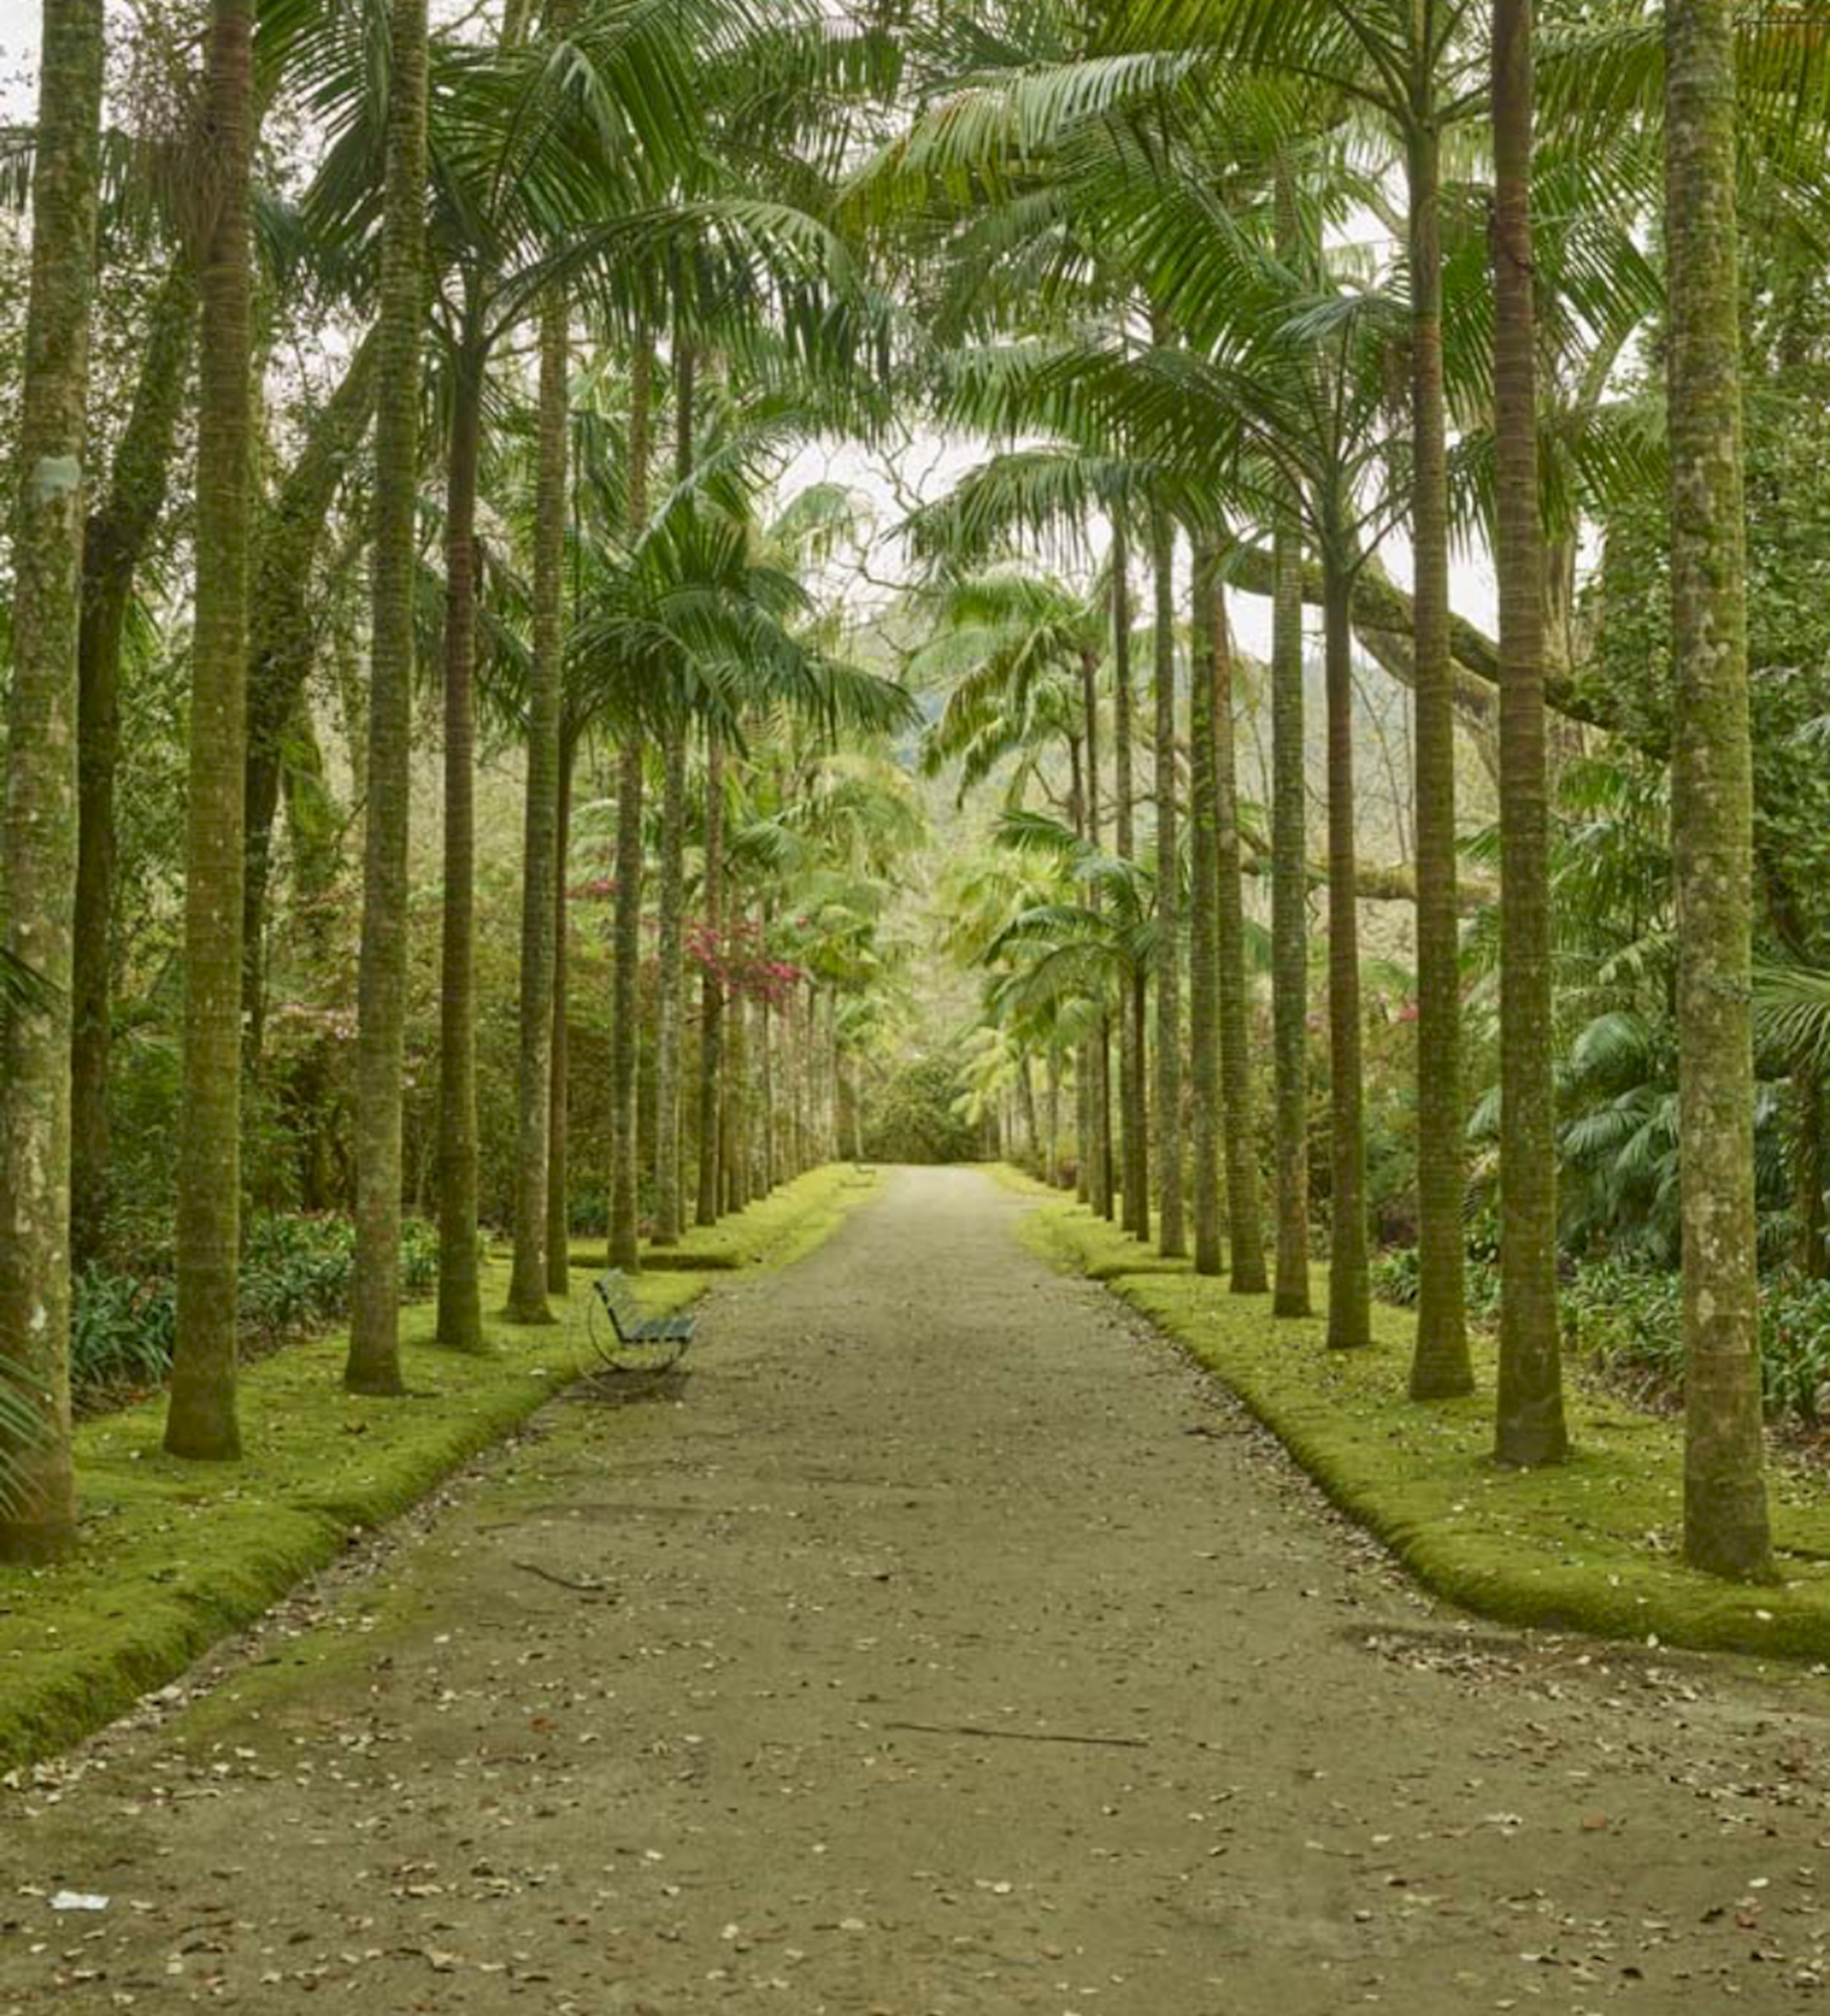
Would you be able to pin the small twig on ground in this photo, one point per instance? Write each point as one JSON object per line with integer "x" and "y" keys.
{"x": 565, "y": 1581}
{"x": 1022, "y": 1736}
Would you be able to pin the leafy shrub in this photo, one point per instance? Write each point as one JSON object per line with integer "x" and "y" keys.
{"x": 296, "y": 1278}
{"x": 1630, "y": 1320}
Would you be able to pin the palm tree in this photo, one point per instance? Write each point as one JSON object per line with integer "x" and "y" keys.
{"x": 201, "y": 1422}
{"x": 1530, "y": 1425}
{"x": 39, "y": 1500}
{"x": 1726, "y": 1528}
{"x": 374, "y": 1339}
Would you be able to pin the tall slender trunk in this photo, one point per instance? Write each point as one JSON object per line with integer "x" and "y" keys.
{"x": 38, "y": 1508}
{"x": 670, "y": 956}
{"x": 711, "y": 989}
{"x": 735, "y": 1152}
{"x": 1440, "y": 1365}
{"x": 625, "y": 1012}
{"x": 1245, "y": 1229}
{"x": 1289, "y": 919}
{"x": 1349, "y": 1300}
{"x": 1530, "y": 1426}
{"x": 1099, "y": 1087}
{"x": 1133, "y": 1095}
{"x": 541, "y": 868}
{"x": 1171, "y": 1230}
{"x": 381, "y": 981}
{"x": 765, "y": 1077}
{"x": 1204, "y": 916}
{"x": 1051, "y": 1106}
{"x": 1726, "y": 1528}
{"x": 201, "y": 1420}
{"x": 1290, "y": 866}
{"x": 625, "y": 1037}
{"x": 114, "y": 546}
{"x": 460, "y": 1309}
{"x": 559, "y": 1192}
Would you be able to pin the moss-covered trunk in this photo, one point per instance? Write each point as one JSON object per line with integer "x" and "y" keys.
{"x": 527, "y": 1288}
{"x": 460, "y": 1310}
{"x": 711, "y": 991}
{"x": 1529, "y": 1425}
{"x": 1440, "y": 1364}
{"x": 558, "y": 1212}
{"x": 381, "y": 980}
{"x": 1726, "y": 1529}
{"x": 201, "y": 1419}
{"x": 1099, "y": 1053}
{"x": 1204, "y": 918}
{"x": 1171, "y": 1237}
{"x": 1135, "y": 1122}
{"x": 38, "y": 1505}
{"x": 1245, "y": 1227}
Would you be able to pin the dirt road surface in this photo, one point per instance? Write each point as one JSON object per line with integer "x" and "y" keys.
{"x": 945, "y": 1646}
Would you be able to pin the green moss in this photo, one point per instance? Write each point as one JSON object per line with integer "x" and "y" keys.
{"x": 174, "y": 1556}
{"x": 1591, "y": 1546}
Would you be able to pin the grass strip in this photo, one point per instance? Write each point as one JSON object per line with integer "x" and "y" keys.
{"x": 173, "y": 1556}
{"x": 1591, "y": 1545}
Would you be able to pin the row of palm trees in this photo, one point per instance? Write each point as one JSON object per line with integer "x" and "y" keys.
{"x": 1154, "y": 282}
{"x": 633, "y": 187}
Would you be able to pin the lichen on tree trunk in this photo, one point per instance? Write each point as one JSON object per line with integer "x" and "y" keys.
{"x": 1726, "y": 1523}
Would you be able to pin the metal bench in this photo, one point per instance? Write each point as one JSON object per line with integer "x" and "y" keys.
{"x": 623, "y": 1337}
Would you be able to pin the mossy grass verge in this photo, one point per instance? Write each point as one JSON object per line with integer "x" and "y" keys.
{"x": 1592, "y": 1545}
{"x": 173, "y": 1555}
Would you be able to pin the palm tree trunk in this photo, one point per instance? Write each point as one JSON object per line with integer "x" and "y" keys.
{"x": 736, "y": 1150}
{"x": 1051, "y": 1169}
{"x": 38, "y": 1507}
{"x": 546, "y": 704}
{"x": 1440, "y": 1366}
{"x": 201, "y": 1420}
{"x": 711, "y": 989}
{"x": 381, "y": 982}
{"x": 1099, "y": 1074}
{"x": 460, "y": 1310}
{"x": 1171, "y": 1230}
{"x": 1204, "y": 917}
{"x": 559, "y": 1199}
{"x": 670, "y": 954}
{"x": 1530, "y": 1426}
{"x": 1349, "y": 1300}
{"x": 1245, "y": 1230}
{"x": 625, "y": 1037}
{"x": 114, "y": 544}
{"x": 1133, "y": 1095}
{"x": 1289, "y": 867}
{"x": 1726, "y": 1529}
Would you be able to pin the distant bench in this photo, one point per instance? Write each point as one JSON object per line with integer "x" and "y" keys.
{"x": 625, "y": 1339}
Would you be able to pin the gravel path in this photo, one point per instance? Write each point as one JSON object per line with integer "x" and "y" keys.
{"x": 943, "y": 1644}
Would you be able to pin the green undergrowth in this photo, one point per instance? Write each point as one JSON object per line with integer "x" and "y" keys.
{"x": 175, "y": 1555}
{"x": 1592, "y": 1545}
